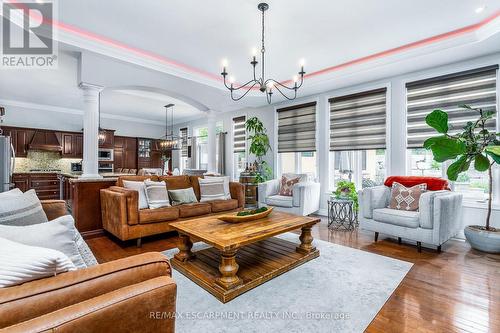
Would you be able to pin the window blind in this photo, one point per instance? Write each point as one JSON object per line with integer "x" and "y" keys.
{"x": 184, "y": 137}
{"x": 358, "y": 121}
{"x": 476, "y": 88}
{"x": 239, "y": 135}
{"x": 297, "y": 128}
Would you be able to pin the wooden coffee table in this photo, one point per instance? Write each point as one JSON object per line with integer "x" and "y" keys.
{"x": 242, "y": 255}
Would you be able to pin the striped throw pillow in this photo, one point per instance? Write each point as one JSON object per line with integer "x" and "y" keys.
{"x": 212, "y": 189}
{"x": 29, "y": 263}
{"x": 22, "y": 209}
{"x": 156, "y": 194}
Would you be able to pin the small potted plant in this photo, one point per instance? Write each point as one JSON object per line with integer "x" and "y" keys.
{"x": 346, "y": 190}
{"x": 474, "y": 144}
{"x": 259, "y": 146}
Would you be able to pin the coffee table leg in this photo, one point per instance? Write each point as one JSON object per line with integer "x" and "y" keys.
{"x": 184, "y": 244}
{"x": 306, "y": 240}
{"x": 228, "y": 269}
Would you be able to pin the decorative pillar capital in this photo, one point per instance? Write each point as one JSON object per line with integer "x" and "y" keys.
{"x": 90, "y": 91}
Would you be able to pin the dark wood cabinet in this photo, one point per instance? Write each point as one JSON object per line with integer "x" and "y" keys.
{"x": 72, "y": 145}
{"x": 125, "y": 152}
{"x": 21, "y": 181}
{"x": 20, "y": 138}
{"x": 109, "y": 139}
{"x": 46, "y": 185}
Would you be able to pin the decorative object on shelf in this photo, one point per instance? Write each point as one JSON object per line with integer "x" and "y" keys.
{"x": 473, "y": 144}
{"x": 248, "y": 179}
{"x": 265, "y": 85}
{"x": 170, "y": 141}
{"x": 259, "y": 146}
{"x": 166, "y": 161}
{"x": 346, "y": 190}
{"x": 246, "y": 215}
{"x": 342, "y": 214}
{"x": 102, "y": 132}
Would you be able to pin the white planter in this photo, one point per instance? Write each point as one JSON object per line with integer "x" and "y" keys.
{"x": 482, "y": 240}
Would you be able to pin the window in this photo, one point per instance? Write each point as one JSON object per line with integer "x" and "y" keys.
{"x": 201, "y": 134}
{"x": 239, "y": 146}
{"x": 476, "y": 88}
{"x": 297, "y": 139}
{"x": 183, "y": 133}
{"x": 358, "y": 138}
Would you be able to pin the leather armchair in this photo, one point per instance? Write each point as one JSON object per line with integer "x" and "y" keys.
{"x": 436, "y": 221}
{"x": 124, "y": 295}
{"x": 305, "y": 197}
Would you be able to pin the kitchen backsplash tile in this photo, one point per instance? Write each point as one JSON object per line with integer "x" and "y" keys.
{"x": 44, "y": 160}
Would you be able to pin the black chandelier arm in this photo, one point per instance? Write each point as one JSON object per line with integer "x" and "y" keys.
{"x": 241, "y": 86}
{"x": 277, "y": 83}
{"x": 284, "y": 95}
{"x": 246, "y": 92}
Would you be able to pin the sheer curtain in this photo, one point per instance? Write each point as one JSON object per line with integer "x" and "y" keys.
{"x": 194, "y": 153}
{"x": 221, "y": 153}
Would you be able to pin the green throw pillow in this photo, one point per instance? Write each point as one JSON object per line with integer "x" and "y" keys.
{"x": 182, "y": 196}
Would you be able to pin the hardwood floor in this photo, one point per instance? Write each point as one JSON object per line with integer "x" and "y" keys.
{"x": 457, "y": 290}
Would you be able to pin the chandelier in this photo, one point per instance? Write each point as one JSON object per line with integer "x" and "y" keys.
{"x": 267, "y": 86}
{"x": 170, "y": 141}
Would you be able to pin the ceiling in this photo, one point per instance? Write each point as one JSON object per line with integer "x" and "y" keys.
{"x": 344, "y": 42}
{"x": 197, "y": 35}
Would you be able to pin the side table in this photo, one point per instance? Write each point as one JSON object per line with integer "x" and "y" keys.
{"x": 341, "y": 214}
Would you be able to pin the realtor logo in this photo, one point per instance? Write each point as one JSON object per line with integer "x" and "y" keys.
{"x": 28, "y": 35}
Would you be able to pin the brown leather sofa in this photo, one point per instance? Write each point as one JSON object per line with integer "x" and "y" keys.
{"x": 135, "y": 294}
{"x": 121, "y": 215}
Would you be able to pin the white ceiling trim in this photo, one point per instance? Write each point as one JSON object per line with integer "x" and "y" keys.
{"x": 58, "y": 109}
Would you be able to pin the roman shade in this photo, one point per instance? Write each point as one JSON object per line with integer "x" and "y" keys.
{"x": 297, "y": 128}
{"x": 239, "y": 134}
{"x": 476, "y": 88}
{"x": 184, "y": 137}
{"x": 358, "y": 121}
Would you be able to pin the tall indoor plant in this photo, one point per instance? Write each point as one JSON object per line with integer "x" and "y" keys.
{"x": 259, "y": 146}
{"x": 474, "y": 144}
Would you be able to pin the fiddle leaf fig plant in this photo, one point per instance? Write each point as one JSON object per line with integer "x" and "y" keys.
{"x": 474, "y": 145}
{"x": 259, "y": 146}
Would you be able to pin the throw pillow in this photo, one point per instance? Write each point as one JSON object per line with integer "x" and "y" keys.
{"x": 21, "y": 263}
{"x": 287, "y": 185}
{"x": 21, "y": 209}
{"x": 156, "y": 194}
{"x": 404, "y": 198}
{"x": 182, "y": 196}
{"x": 12, "y": 193}
{"x": 139, "y": 187}
{"x": 212, "y": 189}
{"x": 226, "y": 179}
{"x": 59, "y": 234}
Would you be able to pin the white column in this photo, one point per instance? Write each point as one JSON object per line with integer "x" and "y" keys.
{"x": 90, "y": 164}
{"x": 212, "y": 141}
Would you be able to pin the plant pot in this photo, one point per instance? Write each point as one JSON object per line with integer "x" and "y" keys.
{"x": 483, "y": 240}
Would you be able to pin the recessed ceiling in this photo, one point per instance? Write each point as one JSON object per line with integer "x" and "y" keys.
{"x": 198, "y": 34}
{"x": 145, "y": 104}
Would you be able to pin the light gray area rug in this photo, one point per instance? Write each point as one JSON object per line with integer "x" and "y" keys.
{"x": 341, "y": 291}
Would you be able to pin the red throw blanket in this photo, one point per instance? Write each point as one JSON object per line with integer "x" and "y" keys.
{"x": 433, "y": 183}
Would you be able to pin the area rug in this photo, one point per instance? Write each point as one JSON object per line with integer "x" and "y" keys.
{"x": 341, "y": 291}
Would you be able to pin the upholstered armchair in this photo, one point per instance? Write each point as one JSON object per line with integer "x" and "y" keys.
{"x": 435, "y": 222}
{"x": 304, "y": 200}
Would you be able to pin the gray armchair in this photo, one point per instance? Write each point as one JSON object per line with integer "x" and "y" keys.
{"x": 436, "y": 221}
{"x": 305, "y": 197}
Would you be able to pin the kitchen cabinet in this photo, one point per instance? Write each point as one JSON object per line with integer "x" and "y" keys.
{"x": 21, "y": 138}
{"x": 125, "y": 152}
{"x": 72, "y": 145}
{"x": 21, "y": 181}
{"x": 109, "y": 139}
{"x": 149, "y": 154}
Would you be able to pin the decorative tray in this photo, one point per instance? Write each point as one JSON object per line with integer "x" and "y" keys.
{"x": 234, "y": 218}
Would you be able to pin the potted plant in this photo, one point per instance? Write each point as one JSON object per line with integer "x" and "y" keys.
{"x": 259, "y": 146}
{"x": 474, "y": 144}
{"x": 346, "y": 190}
